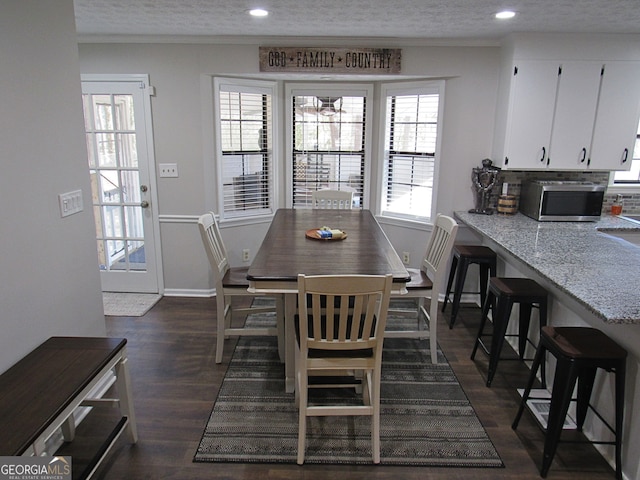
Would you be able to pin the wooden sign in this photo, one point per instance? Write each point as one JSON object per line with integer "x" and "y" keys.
{"x": 330, "y": 60}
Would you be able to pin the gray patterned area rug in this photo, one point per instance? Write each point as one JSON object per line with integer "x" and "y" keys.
{"x": 128, "y": 304}
{"x": 426, "y": 418}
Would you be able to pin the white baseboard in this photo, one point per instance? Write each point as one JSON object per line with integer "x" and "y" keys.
{"x": 185, "y": 292}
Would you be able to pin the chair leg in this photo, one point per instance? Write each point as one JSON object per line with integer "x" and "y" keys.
{"x": 374, "y": 377}
{"x": 527, "y": 390}
{"x": 433, "y": 327}
{"x": 563, "y": 384}
{"x": 620, "y": 378}
{"x": 483, "y": 320}
{"x": 524, "y": 320}
{"x": 460, "y": 278}
{"x": 280, "y": 326}
{"x": 500, "y": 323}
{"x": 302, "y": 392}
{"x": 452, "y": 274}
{"x": 484, "y": 281}
{"x": 221, "y": 321}
{"x": 586, "y": 379}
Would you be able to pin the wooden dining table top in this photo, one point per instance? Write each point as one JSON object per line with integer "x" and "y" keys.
{"x": 286, "y": 251}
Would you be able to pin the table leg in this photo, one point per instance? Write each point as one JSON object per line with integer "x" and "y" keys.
{"x": 290, "y": 338}
{"x": 126, "y": 399}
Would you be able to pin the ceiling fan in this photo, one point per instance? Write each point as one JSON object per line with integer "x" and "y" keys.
{"x": 323, "y": 106}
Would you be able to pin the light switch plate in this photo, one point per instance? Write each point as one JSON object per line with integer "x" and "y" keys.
{"x": 70, "y": 203}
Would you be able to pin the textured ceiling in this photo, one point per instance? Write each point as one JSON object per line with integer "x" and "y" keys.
{"x": 422, "y": 19}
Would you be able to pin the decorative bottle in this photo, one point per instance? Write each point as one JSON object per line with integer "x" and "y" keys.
{"x": 616, "y": 207}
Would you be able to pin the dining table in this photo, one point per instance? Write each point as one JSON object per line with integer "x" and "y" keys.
{"x": 293, "y": 245}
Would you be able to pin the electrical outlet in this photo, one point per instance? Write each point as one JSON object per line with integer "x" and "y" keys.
{"x": 406, "y": 259}
{"x": 168, "y": 170}
{"x": 246, "y": 255}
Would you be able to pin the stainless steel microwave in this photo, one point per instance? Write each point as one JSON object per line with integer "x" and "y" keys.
{"x": 562, "y": 201}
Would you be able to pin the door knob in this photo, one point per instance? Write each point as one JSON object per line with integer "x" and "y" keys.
{"x": 143, "y": 188}
{"x": 144, "y": 204}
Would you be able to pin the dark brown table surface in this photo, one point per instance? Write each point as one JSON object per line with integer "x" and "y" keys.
{"x": 39, "y": 387}
{"x": 286, "y": 251}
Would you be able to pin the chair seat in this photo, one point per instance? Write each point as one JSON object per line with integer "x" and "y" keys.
{"x": 516, "y": 287}
{"x": 474, "y": 252}
{"x": 583, "y": 342}
{"x": 419, "y": 280}
{"x": 236, "y": 277}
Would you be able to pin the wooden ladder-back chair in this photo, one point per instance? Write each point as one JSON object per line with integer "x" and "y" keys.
{"x": 232, "y": 282}
{"x": 333, "y": 199}
{"x": 429, "y": 282}
{"x": 340, "y": 331}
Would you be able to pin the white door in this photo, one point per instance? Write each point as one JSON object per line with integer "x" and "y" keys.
{"x": 120, "y": 152}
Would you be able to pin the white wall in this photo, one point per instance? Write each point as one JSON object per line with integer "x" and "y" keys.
{"x": 48, "y": 265}
{"x": 176, "y": 71}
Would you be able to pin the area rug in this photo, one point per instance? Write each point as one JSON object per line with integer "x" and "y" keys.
{"x": 128, "y": 304}
{"x": 426, "y": 418}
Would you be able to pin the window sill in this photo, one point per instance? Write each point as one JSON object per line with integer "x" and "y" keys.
{"x": 622, "y": 189}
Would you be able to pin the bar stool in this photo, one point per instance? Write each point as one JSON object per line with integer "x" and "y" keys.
{"x": 579, "y": 352}
{"x": 505, "y": 292}
{"x": 463, "y": 256}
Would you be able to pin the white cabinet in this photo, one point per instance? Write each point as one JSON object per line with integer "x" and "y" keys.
{"x": 565, "y": 115}
{"x": 576, "y": 103}
{"x": 616, "y": 126}
{"x": 529, "y": 115}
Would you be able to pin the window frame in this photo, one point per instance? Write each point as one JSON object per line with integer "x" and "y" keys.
{"x": 241, "y": 85}
{"x": 365, "y": 90}
{"x": 426, "y": 87}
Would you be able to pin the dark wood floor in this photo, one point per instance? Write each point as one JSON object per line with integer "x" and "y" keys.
{"x": 175, "y": 383}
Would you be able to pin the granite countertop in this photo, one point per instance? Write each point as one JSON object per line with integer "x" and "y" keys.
{"x": 582, "y": 259}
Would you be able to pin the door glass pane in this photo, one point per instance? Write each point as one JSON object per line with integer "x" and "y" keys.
{"x": 115, "y": 181}
{"x": 106, "y": 144}
{"x": 130, "y": 186}
{"x": 127, "y": 150}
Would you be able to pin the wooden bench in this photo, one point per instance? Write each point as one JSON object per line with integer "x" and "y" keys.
{"x": 39, "y": 394}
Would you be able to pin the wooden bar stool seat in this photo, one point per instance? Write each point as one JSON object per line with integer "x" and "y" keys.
{"x": 505, "y": 292}
{"x": 579, "y": 352}
{"x": 463, "y": 256}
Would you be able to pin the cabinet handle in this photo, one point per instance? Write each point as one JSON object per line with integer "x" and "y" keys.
{"x": 584, "y": 155}
{"x": 544, "y": 154}
{"x": 625, "y": 156}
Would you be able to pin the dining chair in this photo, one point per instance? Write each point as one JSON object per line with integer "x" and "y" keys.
{"x": 428, "y": 282}
{"x": 340, "y": 331}
{"x": 333, "y": 199}
{"x": 232, "y": 282}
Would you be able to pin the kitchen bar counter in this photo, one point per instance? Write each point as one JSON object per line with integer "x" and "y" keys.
{"x": 583, "y": 260}
{"x": 593, "y": 279}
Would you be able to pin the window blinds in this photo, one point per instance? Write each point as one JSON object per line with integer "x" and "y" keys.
{"x": 410, "y": 146}
{"x": 328, "y": 145}
{"x": 245, "y": 138}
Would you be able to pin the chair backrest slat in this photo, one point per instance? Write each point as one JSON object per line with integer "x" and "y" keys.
{"x": 332, "y": 199}
{"x": 346, "y": 312}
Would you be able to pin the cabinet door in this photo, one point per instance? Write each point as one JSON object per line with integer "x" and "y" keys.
{"x": 530, "y": 118}
{"x": 575, "y": 113}
{"x": 616, "y": 124}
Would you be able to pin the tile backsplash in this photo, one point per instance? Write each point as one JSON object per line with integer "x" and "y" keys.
{"x": 631, "y": 202}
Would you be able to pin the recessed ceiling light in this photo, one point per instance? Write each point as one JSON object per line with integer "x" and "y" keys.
{"x": 258, "y": 12}
{"x": 505, "y": 14}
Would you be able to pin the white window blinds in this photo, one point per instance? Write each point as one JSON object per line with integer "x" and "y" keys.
{"x": 246, "y": 150}
{"x": 411, "y": 137}
{"x": 328, "y": 145}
